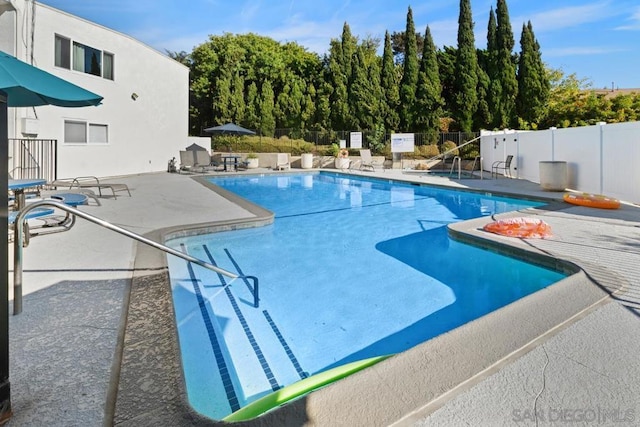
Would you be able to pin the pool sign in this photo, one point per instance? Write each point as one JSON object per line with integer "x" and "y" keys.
{"x": 402, "y": 143}
{"x": 356, "y": 140}
{"x": 343, "y": 143}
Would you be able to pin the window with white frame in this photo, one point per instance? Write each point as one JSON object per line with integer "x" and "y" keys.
{"x": 81, "y": 132}
{"x": 83, "y": 58}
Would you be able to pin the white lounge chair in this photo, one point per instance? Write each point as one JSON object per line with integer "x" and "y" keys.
{"x": 282, "y": 161}
{"x": 90, "y": 182}
{"x": 366, "y": 161}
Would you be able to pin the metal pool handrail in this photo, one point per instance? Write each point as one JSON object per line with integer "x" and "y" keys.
{"x": 18, "y": 240}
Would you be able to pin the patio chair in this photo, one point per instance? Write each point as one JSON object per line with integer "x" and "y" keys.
{"x": 91, "y": 182}
{"x": 187, "y": 161}
{"x": 504, "y": 166}
{"x": 205, "y": 162}
{"x": 282, "y": 161}
{"x": 366, "y": 161}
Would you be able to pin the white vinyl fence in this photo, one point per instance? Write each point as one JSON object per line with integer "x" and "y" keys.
{"x": 602, "y": 159}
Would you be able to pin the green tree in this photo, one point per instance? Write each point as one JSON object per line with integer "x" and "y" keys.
{"x": 237, "y": 105}
{"x": 398, "y": 45}
{"x": 466, "y": 69}
{"x": 533, "y": 84}
{"x": 490, "y": 66}
{"x": 389, "y": 85}
{"x": 428, "y": 103}
{"x": 337, "y": 78}
{"x": 409, "y": 75}
{"x": 267, "y": 125}
{"x": 505, "y": 114}
{"x": 482, "y": 115}
{"x": 447, "y": 67}
{"x": 182, "y": 57}
{"x": 360, "y": 96}
{"x": 251, "y": 119}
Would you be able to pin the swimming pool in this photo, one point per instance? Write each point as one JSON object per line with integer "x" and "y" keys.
{"x": 351, "y": 268}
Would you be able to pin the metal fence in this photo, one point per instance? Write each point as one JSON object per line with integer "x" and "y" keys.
{"x": 298, "y": 142}
{"x": 330, "y": 137}
{"x": 33, "y": 158}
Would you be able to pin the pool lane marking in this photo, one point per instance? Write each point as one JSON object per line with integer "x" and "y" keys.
{"x": 370, "y": 205}
{"x": 285, "y": 346}
{"x": 292, "y": 357}
{"x": 232, "y": 397}
{"x": 245, "y": 326}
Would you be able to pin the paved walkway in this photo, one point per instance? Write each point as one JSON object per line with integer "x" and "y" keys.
{"x": 65, "y": 345}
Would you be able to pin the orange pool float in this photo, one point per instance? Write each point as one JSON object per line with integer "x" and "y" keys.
{"x": 524, "y": 228}
{"x": 591, "y": 200}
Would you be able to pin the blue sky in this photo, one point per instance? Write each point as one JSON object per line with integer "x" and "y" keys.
{"x": 598, "y": 40}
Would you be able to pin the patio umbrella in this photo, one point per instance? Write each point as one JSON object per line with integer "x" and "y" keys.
{"x": 22, "y": 85}
{"x": 28, "y": 86}
{"x": 229, "y": 129}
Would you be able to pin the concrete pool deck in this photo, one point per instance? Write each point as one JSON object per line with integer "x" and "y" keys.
{"x": 89, "y": 290}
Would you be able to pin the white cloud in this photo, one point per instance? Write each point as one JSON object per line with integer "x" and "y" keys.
{"x": 580, "y": 51}
{"x": 567, "y": 17}
{"x": 634, "y": 24}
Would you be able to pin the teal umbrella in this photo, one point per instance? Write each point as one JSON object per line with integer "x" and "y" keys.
{"x": 22, "y": 85}
{"x": 28, "y": 86}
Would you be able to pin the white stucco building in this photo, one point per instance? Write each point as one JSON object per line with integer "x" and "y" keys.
{"x": 143, "y": 119}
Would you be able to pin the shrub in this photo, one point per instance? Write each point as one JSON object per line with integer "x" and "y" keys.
{"x": 428, "y": 151}
{"x": 450, "y": 145}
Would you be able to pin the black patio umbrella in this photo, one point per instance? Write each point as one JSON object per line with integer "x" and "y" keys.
{"x": 229, "y": 129}
{"x": 22, "y": 85}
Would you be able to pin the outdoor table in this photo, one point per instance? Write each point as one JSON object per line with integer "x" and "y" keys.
{"x": 227, "y": 159}
{"x": 19, "y": 185}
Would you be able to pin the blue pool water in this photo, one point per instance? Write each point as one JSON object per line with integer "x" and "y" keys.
{"x": 351, "y": 268}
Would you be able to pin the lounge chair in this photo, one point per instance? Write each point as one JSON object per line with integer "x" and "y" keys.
{"x": 187, "y": 161}
{"x": 205, "y": 162}
{"x": 90, "y": 182}
{"x": 366, "y": 161}
{"x": 282, "y": 161}
{"x": 504, "y": 166}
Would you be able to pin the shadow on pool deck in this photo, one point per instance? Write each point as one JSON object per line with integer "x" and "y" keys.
{"x": 482, "y": 373}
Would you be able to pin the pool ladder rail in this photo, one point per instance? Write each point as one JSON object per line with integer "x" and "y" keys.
{"x": 458, "y": 160}
{"x": 19, "y": 236}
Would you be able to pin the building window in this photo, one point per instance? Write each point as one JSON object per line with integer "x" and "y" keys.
{"x": 87, "y": 59}
{"x": 107, "y": 65}
{"x": 62, "y": 52}
{"x": 98, "y": 133}
{"x": 79, "y": 132}
{"x": 83, "y": 58}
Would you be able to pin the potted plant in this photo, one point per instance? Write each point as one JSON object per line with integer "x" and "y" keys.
{"x": 342, "y": 157}
{"x": 252, "y": 161}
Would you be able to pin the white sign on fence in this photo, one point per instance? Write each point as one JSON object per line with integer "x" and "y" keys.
{"x": 343, "y": 143}
{"x": 356, "y": 140}
{"x": 402, "y": 143}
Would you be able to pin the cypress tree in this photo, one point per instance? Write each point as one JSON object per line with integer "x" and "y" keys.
{"x": 428, "y": 103}
{"x": 409, "y": 75}
{"x": 268, "y": 121}
{"x": 505, "y": 114}
{"x": 447, "y": 69}
{"x": 389, "y": 86}
{"x": 482, "y": 116}
{"x": 221, "y": 103}
{"x": 348, "y": 62}
{"x": 466, "y": 81}
{"x": 339, "y": 95}
{"x": 533, "y": 85}
{"x": 237, "y": 106}
{"x": 494, "y": 90}
{"x": 361, "y": 96}
{"x": 251, "y": 120}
